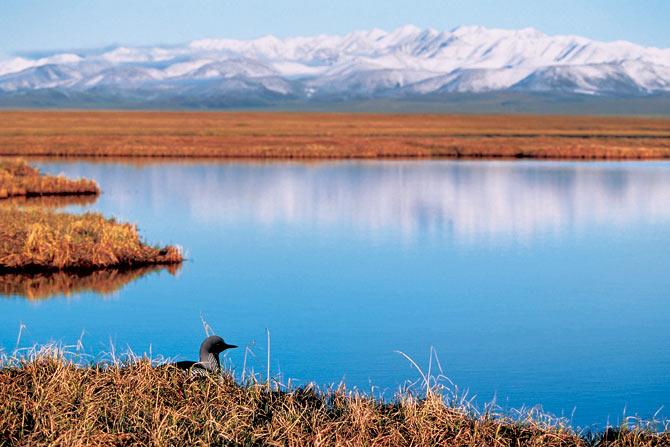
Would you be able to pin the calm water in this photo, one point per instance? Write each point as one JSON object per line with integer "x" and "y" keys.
{"x": 537, "y": 283}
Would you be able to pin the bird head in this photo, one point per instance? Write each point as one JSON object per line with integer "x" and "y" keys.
{"x": 215, "y": 345}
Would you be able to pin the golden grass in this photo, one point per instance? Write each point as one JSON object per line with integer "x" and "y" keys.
{"x": 35, "y": 239}
{"x": 38, "y": 240}
{"x": 18, "y": 179}
{"x": 39, "y": 286}
{"x": 319, "y": 135}
{"x": 47, "y": 400}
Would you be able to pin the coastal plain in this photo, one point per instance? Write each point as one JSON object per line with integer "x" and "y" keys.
{"x": 284, "y": 135}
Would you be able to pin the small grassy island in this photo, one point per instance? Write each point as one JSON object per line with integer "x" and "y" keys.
{"x": 46, "y": 399}
{"x": 34, "y": 239}
{"x": 18, "y": 179}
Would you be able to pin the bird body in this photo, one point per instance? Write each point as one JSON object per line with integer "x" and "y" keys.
{"x": 210, "y": 349}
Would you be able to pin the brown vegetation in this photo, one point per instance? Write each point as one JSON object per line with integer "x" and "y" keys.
{"x": 39, "y": 286}
{"x": 38, "y": 240}
{"x": 47, "y": 400}
{"x": 18, "y": 179}
{"x": 318, "y": 135}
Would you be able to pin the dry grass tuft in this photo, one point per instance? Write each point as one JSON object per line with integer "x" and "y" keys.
{"x": 46, "y": 399}
{"x": 44, "y": 240}
{"x": 18, "y": 179}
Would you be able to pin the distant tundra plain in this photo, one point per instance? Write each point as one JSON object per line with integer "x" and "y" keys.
{"x": 287, "y": 135}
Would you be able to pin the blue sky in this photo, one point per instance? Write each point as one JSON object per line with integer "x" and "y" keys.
{"x": 28, "y": 25}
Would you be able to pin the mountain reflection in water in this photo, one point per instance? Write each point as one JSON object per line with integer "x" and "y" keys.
{"x": 467, "y": 200}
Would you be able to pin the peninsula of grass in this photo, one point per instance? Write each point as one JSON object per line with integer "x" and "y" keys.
{"x": 33, "y": 240}
{"x": 281, "y": 135}
{"x": 46, "y": 399}
{"x": 37, "y": 239}
{"x": 18, "y": 179}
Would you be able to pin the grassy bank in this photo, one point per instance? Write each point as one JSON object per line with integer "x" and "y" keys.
{"x": 322, "y": 135}
{"x": 18, "y": 179}
{"x": 37, "y": 240}
{"x": 45, "y": 399}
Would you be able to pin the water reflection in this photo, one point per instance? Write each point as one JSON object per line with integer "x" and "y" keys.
{"x": 467, "y": 200}
{"x": 40, "y": 286}
{"x": 53, "y": 201}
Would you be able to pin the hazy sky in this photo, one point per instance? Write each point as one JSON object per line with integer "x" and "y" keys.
{"x": 28, "y": 25}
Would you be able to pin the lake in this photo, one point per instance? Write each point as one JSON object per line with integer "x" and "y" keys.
{"x": 537, "y": 283}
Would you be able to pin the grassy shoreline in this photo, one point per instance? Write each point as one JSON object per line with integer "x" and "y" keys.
{"x": 36, "y": 239}
{"x": 20, "y": 180}
{"x": 47, "y": 399}
{"x": 276, "y": 135}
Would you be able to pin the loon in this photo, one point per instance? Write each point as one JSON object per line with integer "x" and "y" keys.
{"x": 209, "y": 355}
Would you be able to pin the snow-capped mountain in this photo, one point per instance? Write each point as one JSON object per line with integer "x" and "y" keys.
{"x": 407, "y": 62}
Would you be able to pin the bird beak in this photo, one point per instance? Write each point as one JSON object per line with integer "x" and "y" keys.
{"x": 227, "y": 346}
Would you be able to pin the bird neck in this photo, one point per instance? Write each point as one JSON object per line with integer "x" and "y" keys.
{"x": 210, "y": 361}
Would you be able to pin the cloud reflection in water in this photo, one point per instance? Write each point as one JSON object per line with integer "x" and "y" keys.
{"x": 470, "y": 200}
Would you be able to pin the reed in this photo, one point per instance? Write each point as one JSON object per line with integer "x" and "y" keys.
{"x": 18, "y": 179}
{"x": 329, "y": 135}
{"x": 36, "y": 239}
{"x": 50, "y": 397}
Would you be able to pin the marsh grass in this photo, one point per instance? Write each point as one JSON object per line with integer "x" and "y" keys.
{"x": 281, "y": 135}
{"x": 34, "y": 239}
{"x": 55, "y": 396}
{"x": 18, "y": 179}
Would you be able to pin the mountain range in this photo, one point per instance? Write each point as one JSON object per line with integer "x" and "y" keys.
{"x": 409, "y": 64}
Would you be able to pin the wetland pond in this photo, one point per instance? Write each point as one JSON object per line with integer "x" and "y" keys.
{"x": 537, "y": 283}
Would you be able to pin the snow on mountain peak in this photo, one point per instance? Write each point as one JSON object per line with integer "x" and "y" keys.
{"x": 468, "y": 29}
{"x": 408, "y": 60}
{"x": 15, "y": 65}
{"x": 406, "y": 31}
